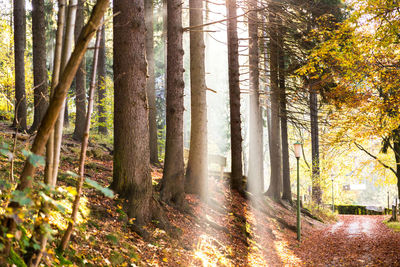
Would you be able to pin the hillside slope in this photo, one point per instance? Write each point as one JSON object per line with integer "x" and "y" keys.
{"x": 228, "y": 230}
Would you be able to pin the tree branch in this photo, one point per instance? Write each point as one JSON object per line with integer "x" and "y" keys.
{"x": 374, "y": 157}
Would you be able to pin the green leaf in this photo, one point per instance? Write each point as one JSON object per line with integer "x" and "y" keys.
{"x": 15, "y": 259}
{"x": 72, "y": 174}
{"x": 21, "y": 198}
{"x": 50, "y": 200}
{"x": 35, "y": 160}
{"x": 106, "y": 191}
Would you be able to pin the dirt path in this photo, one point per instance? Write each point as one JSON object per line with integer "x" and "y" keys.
{"x": 352, "y": 241}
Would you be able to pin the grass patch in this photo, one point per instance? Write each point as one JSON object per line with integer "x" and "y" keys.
{"x": 395, "y": 226}
{"x": 325, "y": 214}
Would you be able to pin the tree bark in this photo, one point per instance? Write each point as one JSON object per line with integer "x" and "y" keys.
{"x": 287, "y": 190}
{"x": 172, "y": 184}
{"x": 151, "y": 94}
{"x": 164, "y": 35}
{"x": 316, "y": 187}
{"x": 48, "y": 172}
{"x": 131, "y": 178}
{"x": 275, "y": 186}
{"x": 66, "y": 113}
{"x": 66, "y": 53}
{"x": 234, "y": 97}
{"x": 101, "y": 81}
{"x": 19, "y": 57}
{"x": 39, "y": 63}
{"x": 396, "y": 149}
{"x": 197, "y": 168}
{"x": 80, "y": 80}
{"x": 256, "y": 171}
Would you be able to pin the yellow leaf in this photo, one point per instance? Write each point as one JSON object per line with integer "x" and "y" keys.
{"x": 165, "y": 260}
{"x": 10, "y": 235}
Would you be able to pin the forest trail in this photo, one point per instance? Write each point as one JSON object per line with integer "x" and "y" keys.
{"x": 352, "y": 241}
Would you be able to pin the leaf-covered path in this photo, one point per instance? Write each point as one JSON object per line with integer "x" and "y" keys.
{"x": 352, "y": 241}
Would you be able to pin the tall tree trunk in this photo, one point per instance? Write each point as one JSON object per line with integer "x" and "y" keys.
{"x": 164, "y": 35}
{"x": 287, "y": 190}
{"x": 39, "y": 63}
{"x": 80, "y": 80}
{"x": 172, "y": 184}
{"x": 67, "y": 48}
{"x": 265, "y": 54}
{"x": 316, "y": 186}
{"x": 55, "y": 106}
{"x": 48, "y": 172}
{"x": 19, "y": 57}
{"x": 197, "y": 168}
{"x": 102, "y": 114}
{"x": 256, "y": 155}
{"x": 275, "y": 187}
{"x": 151, "y": 94}
{"x": 131, "y": 178}
{"x": 234, "y": 97}
{"x": 66, "y": 113}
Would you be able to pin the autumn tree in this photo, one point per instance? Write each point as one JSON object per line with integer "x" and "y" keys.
{"x": 197, "y": 171}
{"x": 360, "y": 67}
{"x": 19, "y": 57}
{"x": 172, "y": 184}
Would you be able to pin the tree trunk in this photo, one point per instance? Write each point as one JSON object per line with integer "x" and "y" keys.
{"x": 102, "y": 128}
{"x": 287, "y": 190}
{"x": 48, "y": 172}
{"x": 66, "y": 113}
{"x": 396, "y": 148}
{"x": 151, "y": 94}
{"x": 80, "y": 80}
{"x": 19, "y": 57}
{"x": 234, "y": 97}
{"x": 197, "y": 168}
{"x": 67, "y": 48}
{"x": 131, "y": 178}
{"x": 164, "y": 35}
{"x": 38, "y": 235}
{"x": 172, "y": 184}
{"x": 275, "y": 186}
{"x": 256, "y": 171}
{"x": 39, "y": 63}
{"x": 85, "y": 141}
{"x": 316, "y": 187}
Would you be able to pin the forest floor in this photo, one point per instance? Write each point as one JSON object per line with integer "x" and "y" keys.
{"x": 227, "y": 230}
